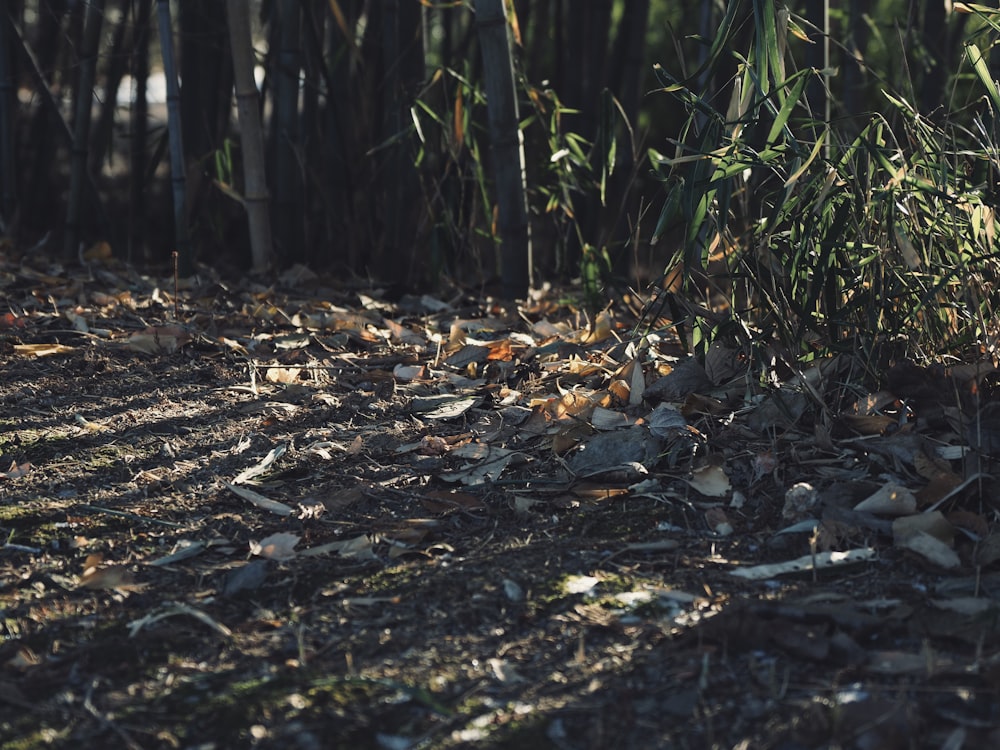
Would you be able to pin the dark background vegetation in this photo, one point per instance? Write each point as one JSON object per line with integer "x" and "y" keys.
{"x": 385, "y": 175}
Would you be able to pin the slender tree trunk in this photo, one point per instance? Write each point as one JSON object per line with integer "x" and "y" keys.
{"x": 83, "y": 99}
{"x": 507, "y": 147}
{"x": 118, "y": 65}
{"x": 338, "y": 135}
{"x": 251, "y": 134}
{"x": 205, "y": 75}
{"x": 38, "y": 188}
{"x": 287, "y": 206}
{"x": 8, "y": 169}
{"x": 140, "y": 130}
{"x": 60, "y": 131}
{"x": 629, "y": 61}
{"x": 177, "y": 170}
{"x": 206, "y": 98}
{"x": 628, "y": 71}
{"x": 402, "y": 64}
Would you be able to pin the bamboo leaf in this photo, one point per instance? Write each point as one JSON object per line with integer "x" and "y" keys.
{"x": 781, "y": 121}
{"x": 459, "y": 120}
{"x": 794, "y": 177}
{"x": 980, "y": 65}
{"x": 671, "y": 211}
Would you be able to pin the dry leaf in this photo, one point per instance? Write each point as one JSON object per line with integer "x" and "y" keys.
{"x": 710, "y": 481}
{"x": 88, "y": 425}
{"x": 41, "y": 350}
{"x": 359, "y": 547}
{"x": 159, "y": 340}
{"x": 406, "y": 373}
{"x": 440, "y": 501}
{"x": 282, "y": 374}
{"x": 112, "y": 577}
{"x": 666, "y": 421}
{"x": 280, "y": 546}
{"x": 933, "y": 523}
{"x": 619, "y": 392}
{"x": 931, "y": 549}
{"x": 889, "y": 500}
{"x": 607, "y": 419}
{"x": 356, "y": 446}
{"x": 264, "y": 466}
{"x": 24, "y": 658}
{"x": 258, "y": 500}
{"x": 637, "y": 383}
{"x": 15, "y": 470}
{"x": 599, "y": 330}
{"x": 184, "y": 549}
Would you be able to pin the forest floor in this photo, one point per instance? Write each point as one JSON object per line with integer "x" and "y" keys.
{"x": 303, "y": 517}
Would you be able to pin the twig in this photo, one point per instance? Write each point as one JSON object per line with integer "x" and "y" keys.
{"x": 106, "y": 722}
{"x": 133, "y": 516}
{"x": 176, "y": 285}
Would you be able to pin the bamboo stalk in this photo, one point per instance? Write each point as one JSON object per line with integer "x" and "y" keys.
{"x": 84, "y": 99}
{"x": 177, "y": 171}
{"x": 507, "y": 147}
{"x": 288, "y": 213}
{"x": 257, "y": 200}
{"x": 140, "y": 130}
{"x": 8, "y": 184}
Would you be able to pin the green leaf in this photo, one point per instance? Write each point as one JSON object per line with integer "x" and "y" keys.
{"x": 980, "y": 65}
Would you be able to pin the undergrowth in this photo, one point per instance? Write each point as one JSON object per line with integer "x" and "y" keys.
{"x": 815, "y": 237}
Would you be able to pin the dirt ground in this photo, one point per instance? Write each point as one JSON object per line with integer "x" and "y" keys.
{"x": 255, "y": 517}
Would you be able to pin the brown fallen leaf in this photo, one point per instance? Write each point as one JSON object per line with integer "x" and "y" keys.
{"x": 15, "y": 471}
{"x": 42, "y": 350}
{"x": 113, "y": 577}
{"x": 159, "y": 340}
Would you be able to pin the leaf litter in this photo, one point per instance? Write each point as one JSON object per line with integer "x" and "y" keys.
{"x": 326, "y": 518}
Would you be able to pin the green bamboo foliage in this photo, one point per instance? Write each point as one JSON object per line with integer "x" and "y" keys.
{"x": 887, "y": 240}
